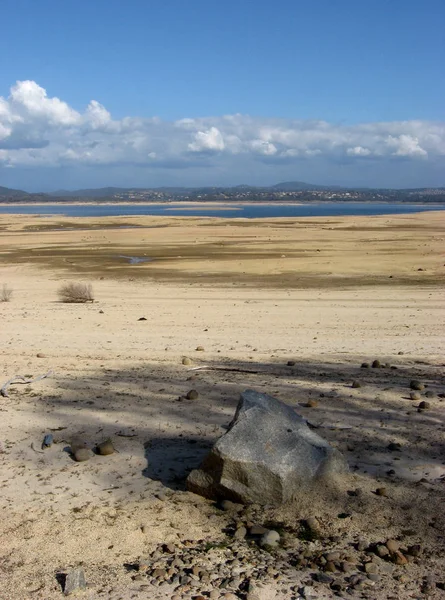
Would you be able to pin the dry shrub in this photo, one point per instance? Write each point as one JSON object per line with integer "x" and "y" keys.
{"x": 76, "y": 292}
{"x": 5, "y": 293}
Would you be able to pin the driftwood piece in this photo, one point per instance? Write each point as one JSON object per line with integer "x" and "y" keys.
{"x": 20, "y": 379}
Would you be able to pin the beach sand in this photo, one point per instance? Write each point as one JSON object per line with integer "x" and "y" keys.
{"x": 326, "y": 294}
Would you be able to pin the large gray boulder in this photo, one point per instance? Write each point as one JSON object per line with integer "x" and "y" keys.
{"x": 268, "y": 456}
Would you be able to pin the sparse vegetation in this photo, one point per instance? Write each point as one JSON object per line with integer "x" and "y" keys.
{"x": 5, "y": 293}
{"x": 76, "y": 292}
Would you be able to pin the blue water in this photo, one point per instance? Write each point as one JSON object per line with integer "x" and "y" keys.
{"x": 250, "y": 211}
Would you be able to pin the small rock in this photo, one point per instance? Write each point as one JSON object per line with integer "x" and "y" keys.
{"x": 230, "y": 506}
{"x": 47, "y": 441}
{"x": 365, "y": 365}
{"x": 240, "y": 533}
{"x": 82, "y": 454}
{"x": 337, "y": 585}
{"x": 371, "y": 568}
{"x": 356, "y": 384}
{"x": 41, "y": 355}
{"x": 199, "y": 348}
{"x": 291, "y": 363}
{"x": 77, "y": 444}
{"x": 381, "y": 491}
{"x": 323, "y": 578}
{"x": 373, "y": 576}
{"x": 376, "y": 364}
{"x": 186, "y": 361}
{"x": 424, "y": 405}
{"x": 414, "y": 550}
{"x": 313, "y": 524}
{"x": 394, "y": 447}
{"x": 416, "y": 385}
{"x": 347, "y": 566}
{"x": 159, "y": 573}
{"x": 356, "y": 580}
{"x": 142, "y": 319}
{"x": 382, "y": 551}
{"x": 101, "y": 312}
{"x": 330, "y": 567}
{"x": 429, "y": 394}
{"x": 257, "y": 530}
{"x": 332, "y": 556}
{"x": 106, "y": 448}
{"x": 271, "y": 538}
{"x": 192, "y": 395}
{"x": 399, "y": 558}
{"x": 392, "y": 545}
{"x": 311, "y": 403}
{"x": 414, "y": 396}
{"x": 308, "y": 592}
{"x": 74, "y": 582}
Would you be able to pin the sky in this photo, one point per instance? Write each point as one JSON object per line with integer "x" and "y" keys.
{"x": 146, "y": 93}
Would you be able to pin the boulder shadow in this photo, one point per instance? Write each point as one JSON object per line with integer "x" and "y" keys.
{"x": 170, "y": 459}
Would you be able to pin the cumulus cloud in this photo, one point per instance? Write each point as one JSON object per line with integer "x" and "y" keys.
{"x": 39, "y": 130}
{"x": 207, "y": 140}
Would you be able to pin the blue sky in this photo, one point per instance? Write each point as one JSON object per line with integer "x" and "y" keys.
{"x": 194, "y": 92}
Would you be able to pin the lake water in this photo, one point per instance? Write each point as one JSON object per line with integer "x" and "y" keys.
{"x": 249, "y": 211}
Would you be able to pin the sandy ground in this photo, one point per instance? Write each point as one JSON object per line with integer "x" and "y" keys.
{"x": 326, "y": 294}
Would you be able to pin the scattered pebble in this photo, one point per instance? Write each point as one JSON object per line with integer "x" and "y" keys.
{"x": 192, "y": 395}
{"x": 106, "y": 448}
{"x": 74, "y": 582}
{"x": 415, "y": 384}
{"x": 82, "y": 454}
{"x": 186, "y": 361}
{"x": 271, "y": 538}
{"x": 392, "y": 545}
{"x": 424, "y": 405}
{"x": 199, "y": 348}
{"x": 394, "y": 447}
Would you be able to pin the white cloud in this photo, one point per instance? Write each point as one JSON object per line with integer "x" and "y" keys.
{"x": 406, "y": 145}
{"x": 28, "y": 99}
{"x": 207, "y": 140}
{"x": 262, "y": 147}
{"x": 358, "y": 151}
{"x": 38, "y": 130}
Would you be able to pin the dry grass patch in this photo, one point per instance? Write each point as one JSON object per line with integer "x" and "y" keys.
{"x": 5, "y": 293}
{"x": 76, "y": 292}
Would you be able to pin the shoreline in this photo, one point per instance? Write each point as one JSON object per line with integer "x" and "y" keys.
{"x": 222, "y": 204}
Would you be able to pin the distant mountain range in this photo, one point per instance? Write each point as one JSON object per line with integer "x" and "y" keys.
{"x": 286, "y": 191}
{"x": 4, "y": 191}
{"x": 288, "y": 186}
